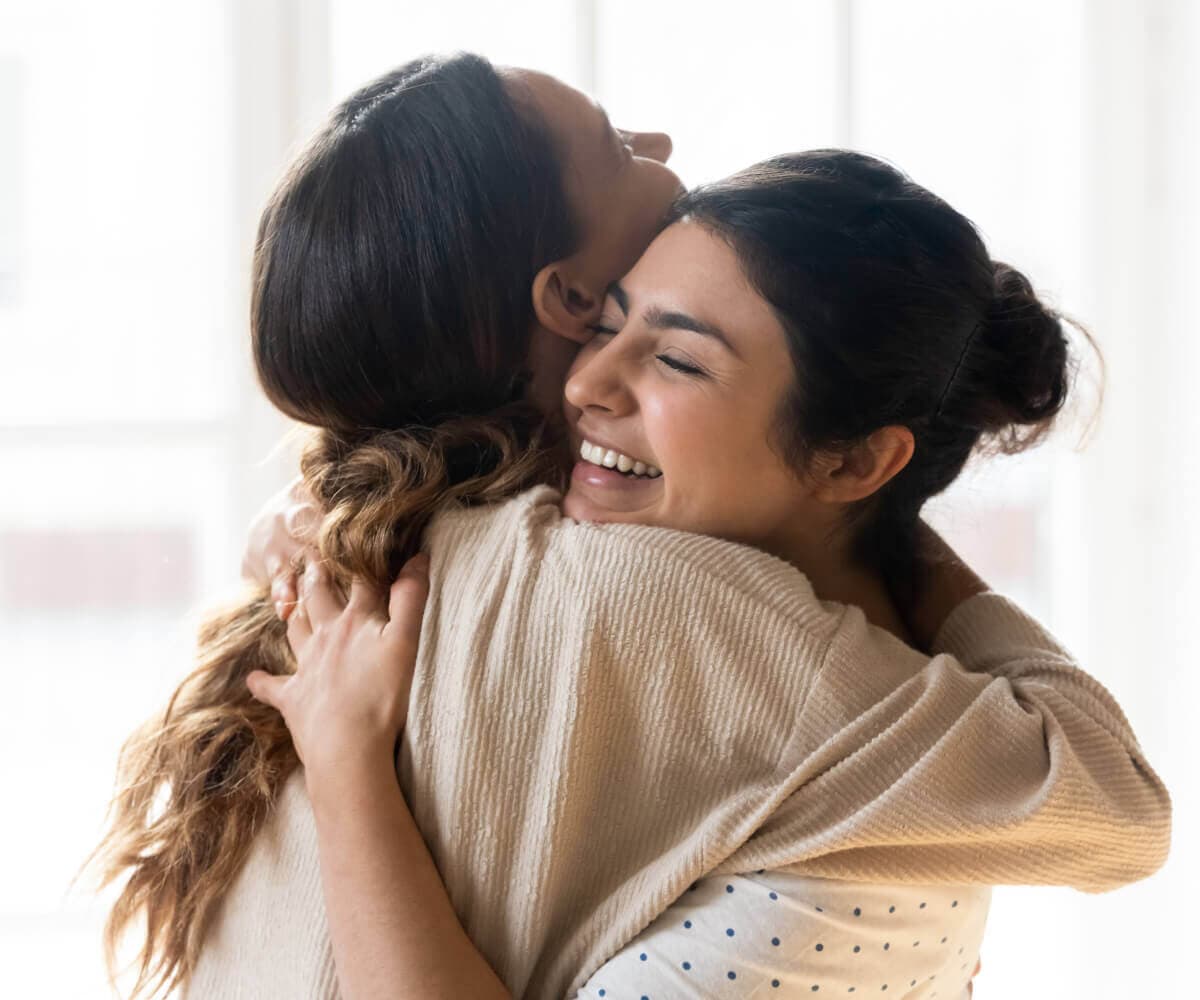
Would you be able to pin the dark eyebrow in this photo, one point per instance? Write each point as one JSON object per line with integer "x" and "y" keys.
{"x": 618, "y": 293}
{"x": 666, "y": 319}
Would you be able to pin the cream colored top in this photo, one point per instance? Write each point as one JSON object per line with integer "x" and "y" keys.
{"x": 603, "y": 714}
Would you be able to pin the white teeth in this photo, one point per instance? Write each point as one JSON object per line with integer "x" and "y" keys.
{"x": 610, "y": 459}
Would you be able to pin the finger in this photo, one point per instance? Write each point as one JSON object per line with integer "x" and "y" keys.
{"x": 299, "y": 629}
{"x": 300, "y": 521}
{"x": 319, "y": 596}
{"x": 406, "y": 602}
{"x": 283, "y": 593}
{"x": 267, "y": 688}
{"x": 365, "y": 597}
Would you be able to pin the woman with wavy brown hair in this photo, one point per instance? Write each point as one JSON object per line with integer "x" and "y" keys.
{"x": 421, "y": 279}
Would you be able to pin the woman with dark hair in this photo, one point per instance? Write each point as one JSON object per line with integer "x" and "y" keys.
{"x": 808, "y": 351}
{"x": 420, "y": 284}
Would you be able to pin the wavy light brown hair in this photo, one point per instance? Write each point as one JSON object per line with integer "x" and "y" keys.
{"x": 391, "y": 309}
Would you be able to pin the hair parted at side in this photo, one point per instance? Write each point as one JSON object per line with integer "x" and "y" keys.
{"x": 895, "y": 314}
{"x": 391, "y": 309}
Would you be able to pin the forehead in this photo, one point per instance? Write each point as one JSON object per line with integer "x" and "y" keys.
{"x": 691, "y": 269}
{"x": 578, "y": 123}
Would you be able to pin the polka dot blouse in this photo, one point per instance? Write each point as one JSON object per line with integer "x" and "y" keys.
{"x": 774, "y": 934}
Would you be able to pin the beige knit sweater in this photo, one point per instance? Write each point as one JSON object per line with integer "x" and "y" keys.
{"x": 601, "y": 714}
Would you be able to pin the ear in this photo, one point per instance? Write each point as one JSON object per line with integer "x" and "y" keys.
{"x": 565, "y": 305}
{"x": 865, "y": 468}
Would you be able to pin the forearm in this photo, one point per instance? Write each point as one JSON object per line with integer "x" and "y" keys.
{"x": 393, "y": 930}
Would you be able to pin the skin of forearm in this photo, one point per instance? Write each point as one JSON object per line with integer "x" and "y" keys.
{"x": 393, "y": 930}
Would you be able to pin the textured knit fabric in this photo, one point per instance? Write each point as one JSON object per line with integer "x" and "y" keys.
{"x": 603, "y": 714}
{"x": 769, "y": 934}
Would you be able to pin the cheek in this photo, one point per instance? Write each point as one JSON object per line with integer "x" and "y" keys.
{"x": 730, "y": 481}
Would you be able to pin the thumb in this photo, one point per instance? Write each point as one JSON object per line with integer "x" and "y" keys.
{"x": 267, "y": 688}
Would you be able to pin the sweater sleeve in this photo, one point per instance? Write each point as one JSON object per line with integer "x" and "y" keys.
{"x": 998, "y": 761}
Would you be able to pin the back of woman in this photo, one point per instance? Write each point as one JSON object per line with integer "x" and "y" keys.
{"x": 604, "y": 714}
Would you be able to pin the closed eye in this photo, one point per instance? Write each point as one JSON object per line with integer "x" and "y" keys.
{"x": 678, "y": 365}
{"x": 601, "y": 328}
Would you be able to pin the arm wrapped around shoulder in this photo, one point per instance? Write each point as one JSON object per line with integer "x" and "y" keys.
{"x": 996, "y": 761}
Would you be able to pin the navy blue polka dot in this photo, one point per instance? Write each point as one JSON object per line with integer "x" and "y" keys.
{"x": 820, "y": 947}
{"x": 858, "y": 911}
{"x": 857, "y": 949}
{"x": 886, "y": 945}
{"x": 922, "y": 906}
{"x": 775, "y": 942}
{"x": 687, "y": 965}
{"x": 815, "y": 988}
{"x": 891, "y": 909}
{"x": 729, "y": 932}
{"x": 773, "y": 896}
{"x": 687, "y": 923}
{"x": 774, "y": 984}
{"x": 602, "y": 992}
{"x": 732, "y": 974}
{"x": 642, "y": 956}
{"x": 644, "y": 997}
{"x": 729, "y": 888}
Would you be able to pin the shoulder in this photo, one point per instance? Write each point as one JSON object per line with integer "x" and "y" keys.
{"x": 620, "y": 562}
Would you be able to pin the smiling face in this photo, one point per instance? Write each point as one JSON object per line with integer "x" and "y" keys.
{"x": 617, "y": 182}
{"x": 686, "y": 374}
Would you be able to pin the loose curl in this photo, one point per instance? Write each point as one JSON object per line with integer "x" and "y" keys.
{"x": 390, "y": 309}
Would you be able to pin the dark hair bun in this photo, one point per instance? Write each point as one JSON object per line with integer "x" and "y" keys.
{"x": 1022, "y": 363}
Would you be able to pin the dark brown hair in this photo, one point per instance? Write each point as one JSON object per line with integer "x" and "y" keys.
{"x": 894, "y": 313}
{"x": 392, "y": 310}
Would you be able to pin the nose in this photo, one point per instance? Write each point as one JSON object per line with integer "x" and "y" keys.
{"x": 652, "y": 145}
{"x": 598, "y": 385}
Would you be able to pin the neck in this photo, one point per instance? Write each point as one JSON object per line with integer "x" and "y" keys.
{"x": 836, "y": 577}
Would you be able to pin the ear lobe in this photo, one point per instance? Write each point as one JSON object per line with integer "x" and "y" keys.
{"x": 563, "y": 306}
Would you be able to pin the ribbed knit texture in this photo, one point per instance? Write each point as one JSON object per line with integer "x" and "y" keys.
{"x": 601, "y": 714}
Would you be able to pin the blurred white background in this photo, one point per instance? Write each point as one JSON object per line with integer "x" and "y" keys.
{"x": 138, "y": 141}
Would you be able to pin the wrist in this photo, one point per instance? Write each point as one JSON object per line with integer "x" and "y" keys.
{"x": 335, "y": 777}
